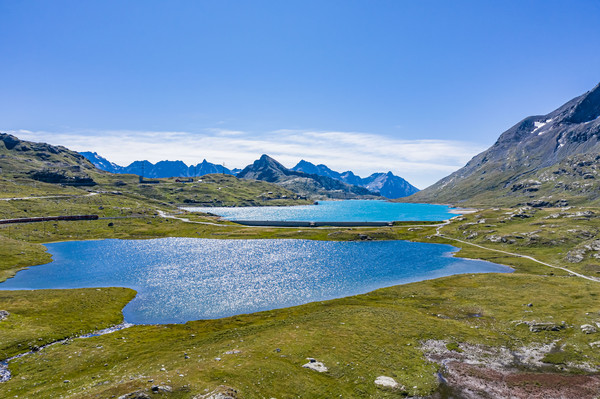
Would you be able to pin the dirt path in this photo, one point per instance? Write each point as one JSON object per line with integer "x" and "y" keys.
{"x": 439, "y": 234}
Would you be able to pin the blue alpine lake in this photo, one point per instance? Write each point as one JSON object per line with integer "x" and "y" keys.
{"x": 335, "y": 211}
{"x": 182, "y": 279}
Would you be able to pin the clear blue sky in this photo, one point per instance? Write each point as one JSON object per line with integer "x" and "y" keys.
{"x": 398, "y": 71}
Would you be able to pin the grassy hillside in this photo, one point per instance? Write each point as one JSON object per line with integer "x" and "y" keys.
{"x": 572, "y": 181}
{"x": 39, "y": 169}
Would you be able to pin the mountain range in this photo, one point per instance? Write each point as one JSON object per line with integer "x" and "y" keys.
{"x": 386, "y": 184}
{"x": 544, "y": 160}
{"x": 267, "y": 169}
{"x": 158, "y": 170}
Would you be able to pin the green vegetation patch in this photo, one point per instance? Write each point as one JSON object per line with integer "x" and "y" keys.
{"x": 16, "y": 255}
{"x": 36, "y": 318}
{"x": 357, "y": 338}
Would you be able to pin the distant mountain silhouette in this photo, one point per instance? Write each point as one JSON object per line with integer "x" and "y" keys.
{"x": 386, "y": 184}
{"x": 160, "y": 169}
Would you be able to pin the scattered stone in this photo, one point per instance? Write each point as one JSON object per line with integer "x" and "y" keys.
{"x": 277, "y": 350}
{"x": 583, "y": 234}
{"x": 555, "y": 216}
{"x": 66, "y": 381}
{"x": 218, "y": 359}
{"x": 387, "y": 382}
{"x": 527, "y": 186}
{"x": 503, "y": 239}
{"x": 529, "y": 305}
{"x": 3, "y": 314}
{"x": 539, "y": 204}
{"x": 575, "y": 256}
{"x": 494, "y": 238}
{"x": 592, "y": 246}
{"x": 584, "y": 215}
{"x": 588, "y": 329}
{"x": 161, "y": 388}
{"x": 595, "y": 344}
{"x": 222, "y": 392}
{"x": 135, "y": 395}
{"x": 472, "y": 235}
{"x": 313, "y": 364}
{"x": 544, "y": 326}
{"x": 233, "y": 352}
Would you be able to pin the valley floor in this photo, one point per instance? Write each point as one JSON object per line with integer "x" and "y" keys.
{"x": 531, "y": 333}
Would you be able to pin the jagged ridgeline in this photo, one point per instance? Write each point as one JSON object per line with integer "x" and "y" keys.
{"x": 159, "y": 169}
{"x": 386, "y": 184}
{"x": 544, "y": 160}
{"x": 305, "y": 178}
{"x": 306, "y": 184}
{"x": 43, "y": 162}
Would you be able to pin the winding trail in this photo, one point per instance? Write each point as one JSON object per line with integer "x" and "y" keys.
{"x": 438, "y": 233}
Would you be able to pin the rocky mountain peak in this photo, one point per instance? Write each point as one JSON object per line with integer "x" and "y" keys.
{"x": 525, "y": 150}
{"x": 265, "y": 168}
{"x": 588, "y": 109}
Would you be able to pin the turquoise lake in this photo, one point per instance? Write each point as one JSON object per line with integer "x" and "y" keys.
{"x": 335, "y": 211}
{"x": 182, "y": 279}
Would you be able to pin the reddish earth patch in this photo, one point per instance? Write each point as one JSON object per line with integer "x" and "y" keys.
{"x": 478, "y": 381}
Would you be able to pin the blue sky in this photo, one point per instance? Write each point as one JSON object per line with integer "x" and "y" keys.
{"x": 416, "y": 87}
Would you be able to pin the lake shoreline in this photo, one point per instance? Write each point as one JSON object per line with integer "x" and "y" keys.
{"x": 313, "y": 271}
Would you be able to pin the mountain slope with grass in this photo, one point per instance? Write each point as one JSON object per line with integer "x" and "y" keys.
{"x": 550, "y": 159}
{"x": 40, "y": 169}
{"x": 386, "y": 184}
{"x": 305, "y": 184}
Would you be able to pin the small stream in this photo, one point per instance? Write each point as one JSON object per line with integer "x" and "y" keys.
{"x": 5, "y": 374}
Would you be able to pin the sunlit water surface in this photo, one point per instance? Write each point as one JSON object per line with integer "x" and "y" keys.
{"x": 182, "y": 279}
{"x": 335, "y": 211}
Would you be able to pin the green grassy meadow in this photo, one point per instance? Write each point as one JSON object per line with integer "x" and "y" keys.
{"x": 358, "y": 338}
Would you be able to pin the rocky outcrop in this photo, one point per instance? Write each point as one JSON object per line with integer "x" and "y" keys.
{"x": 313, "y": 364}
{"x": 479, "y": 371}
{"x": 388, "y": 382}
